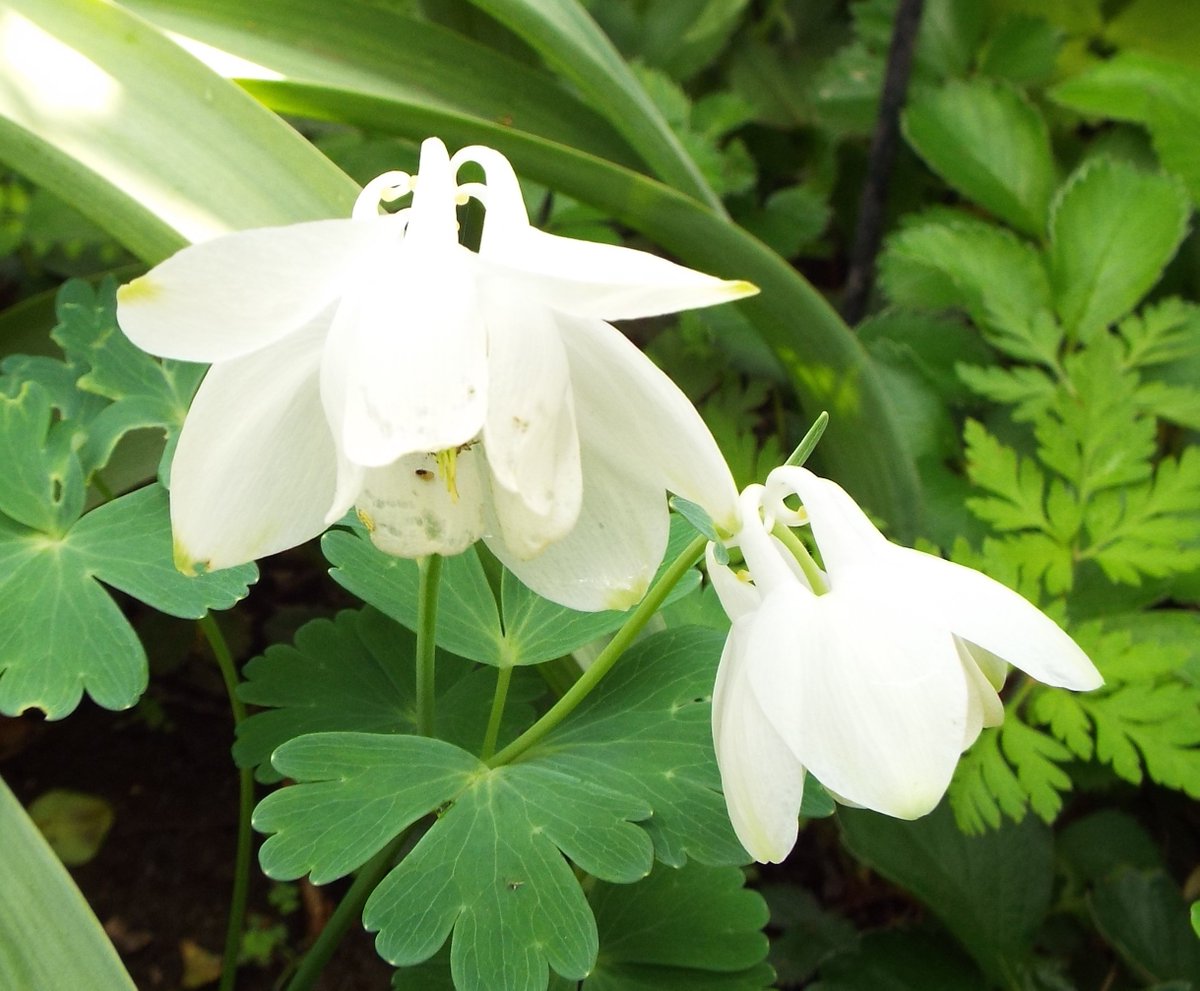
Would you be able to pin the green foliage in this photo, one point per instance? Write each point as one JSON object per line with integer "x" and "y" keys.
{"x": 357, "y": 672}
{"x": 60, "y": 422}
{"x": 989, "y": 143}
{"x": 1144, "y": 917}
{"x": 524, "y": 629}
{"x": 628, "y": 776}
{"x": 990, "y": 891}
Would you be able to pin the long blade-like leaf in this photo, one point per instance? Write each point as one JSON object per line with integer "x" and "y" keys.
{"x": 49, "y": 937}
{"x": 826, "y": 364}
{"x": 379, "y": 51}
{"x": 105, "y": 111}
{"x": 565, "y": 35}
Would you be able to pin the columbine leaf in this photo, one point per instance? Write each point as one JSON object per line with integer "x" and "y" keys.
{"x": 1017, "y": 485}
{"x": 144, "y": 392}
{"x": 991, "y": 144}
{"x": 491, "y": 866}
{"x": 358, "y": 672}
{"x": 680, "y": 929}
{"x": 42, "y": 485}
{"x": 1112, "y": 231}
{"x": 1143, "y": 915}
{"x": 533, "y": 629}
{"x": 60, "y": 632}
{"x": 1166, "y": 331}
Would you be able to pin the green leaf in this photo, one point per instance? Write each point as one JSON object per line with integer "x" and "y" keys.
{"x": 564, "y": 34}
{"x": 192, "y": 155}
{"x": 679, "y": 929}
{"x": 1105, "y": 842}
{"x": 1160, "y": 333}
{"x": 358, "y": 672}
{"x": 899, "y": 961}
{"x": 806, "y": 932}
{"x": 73, "y": 823}
{"x": 1112, "y": 231}
{"x": 638, "y": 750}
{"x": 52, "y": 939}
{"x": 989, "y": 143}
{"x": 1022, "y": 49}
{"x": 950, "y": 260}
{"x": 356, "y": 50}
{"x": 42, "y": 485}
{"x": 1162, "y": 27}
{"x": 532, "y": 630}
{"x": 992, "y": 891}
{"x": 60, "y": 632}
{"x": 1144, "y": 917}
{"x": 1161, "y": 93}
{"x": 144, "y": 392}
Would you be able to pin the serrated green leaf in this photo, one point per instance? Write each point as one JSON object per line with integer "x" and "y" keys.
{"x": 1161, "y": 93}
{"x": 1036, "y": 758}
{"x": 991, "y": 891}
{"x": 991, "y": 144}
{"x": 1028, "y": 390}
{"x": 1162, "y": 332}
{"x": 984, "y": 788}
{"x": 357, "y": 672}
{"x": 638, "y": 749}
{"x": 61, "y": 634}
{"x": 1144, "y": 917}
{"x": 950, "y": 260}
{"x": 1017, "y": 484}
{"x": 680, "y": 928}
{"x": 1112, "y": 231}
{"x": 532, "y": 630}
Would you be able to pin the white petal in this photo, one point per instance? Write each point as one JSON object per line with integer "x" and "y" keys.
{"x": 405, "y": 371}
{"x": 590, "y": 279}
{"x": 739, "y": 597}
{"x": 529, "y": 435}
{"x": 583, "y": 278}
{"x": 984, "y": 707}
{"x": 762, "y": 781}
{"x": 411, "y": 510}
{"x": 648, "y": 423}
{"x": 256, "y": 469}
{"x": 609, "y": 557}
{"x": 844, "y": 534}
{"x": 237, "y": 293}
{"x": 985, "y": 612}
{"x": 871, "y": 701}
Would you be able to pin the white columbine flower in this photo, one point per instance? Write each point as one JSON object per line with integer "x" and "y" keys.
{"x": 449, "y": 395}
{"x": 874, "y": 675}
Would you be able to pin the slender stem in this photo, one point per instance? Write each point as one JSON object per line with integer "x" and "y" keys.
{"x": 503, "y": 678}
{"x": 809, "y": 441}
{"x": 796, "y": 546}
{"x": 884, "y": 142}
{"x": 346, "y": 914}
{"x": 427, "y": 597}
{"x": 241, "y": 870}
{"x": 608, "y": 656}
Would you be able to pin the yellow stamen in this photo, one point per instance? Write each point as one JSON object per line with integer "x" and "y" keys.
{"x": 447, "y": 463}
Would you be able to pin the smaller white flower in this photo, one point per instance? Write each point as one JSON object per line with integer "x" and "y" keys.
{"x": 874, "y": 675}
{"x": 449, "y": 395}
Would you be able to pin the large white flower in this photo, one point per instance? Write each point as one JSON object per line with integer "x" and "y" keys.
{"x": 449, "y": 395}
{"x": 874, "y": 674}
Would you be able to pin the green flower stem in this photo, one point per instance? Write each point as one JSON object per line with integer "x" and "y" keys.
{"x": 241, "y": 872}
{"x": 796, "y": 546}
{"x": 430, "y": 569}
{"x": 503, "y": 679}
{"x": 809, "y": 441}
{"x": 347, "y": 913}
{"x": 608, "y": 656}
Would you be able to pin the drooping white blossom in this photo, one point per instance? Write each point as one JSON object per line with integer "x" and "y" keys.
{"x": 449, "y": 395}
{"x": 874, "y": 674}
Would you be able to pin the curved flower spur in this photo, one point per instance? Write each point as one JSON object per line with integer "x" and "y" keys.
{"x": 874, "y": 674}
{"x": 449, "y": 395}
